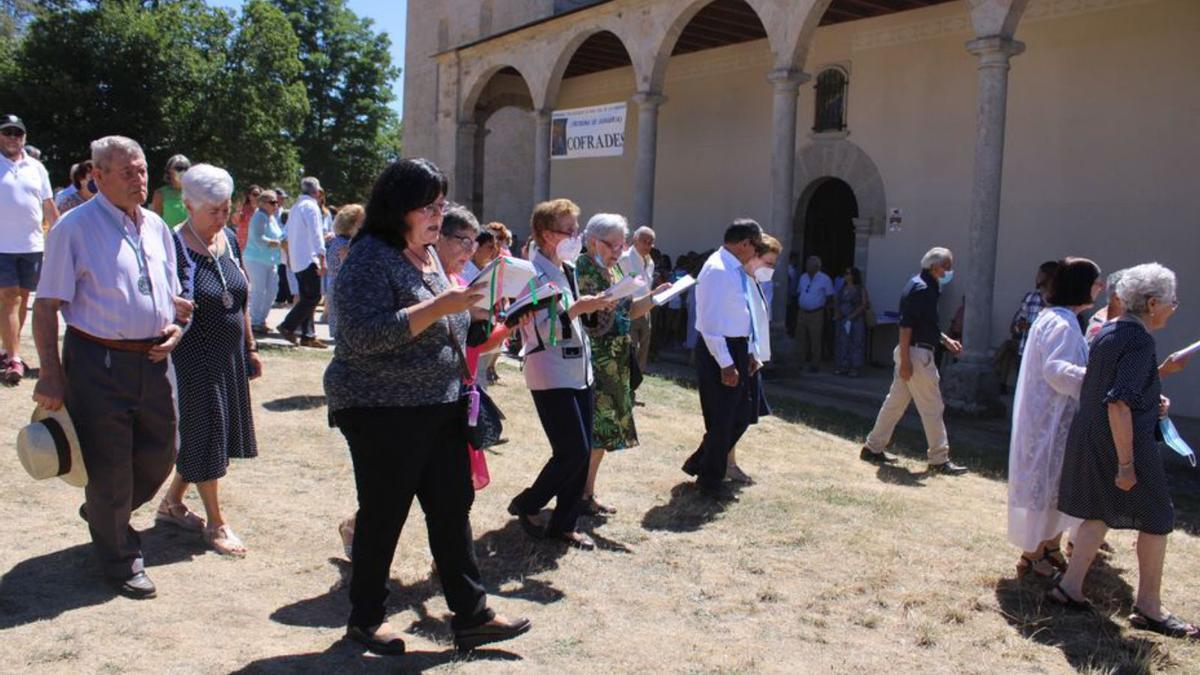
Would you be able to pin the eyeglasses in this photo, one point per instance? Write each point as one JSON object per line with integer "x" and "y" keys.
{"x": 435, "y": 209}
{"x": 616, "y": 247}
{"x": 180, "y": 169}
{"x": 272, "y": 202}
{"x": 467, "y": 243}
{"x": 564, "y": 233}
{"x": 12, "y": 132}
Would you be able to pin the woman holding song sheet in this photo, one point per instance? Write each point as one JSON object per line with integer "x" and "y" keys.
{"x": 598, "y": 272}
{"x": 558, "y": 371}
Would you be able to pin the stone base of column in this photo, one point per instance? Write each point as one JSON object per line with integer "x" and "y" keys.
{"x": 971, "y": 386}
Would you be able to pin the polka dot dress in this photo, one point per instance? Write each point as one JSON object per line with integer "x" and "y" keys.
{"x": 215, "y": 421}
{"x": 1121, "y": 367}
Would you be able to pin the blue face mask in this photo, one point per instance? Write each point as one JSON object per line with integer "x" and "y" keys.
{"x": 946, "y": 278}
{"x": 91, "y": 186}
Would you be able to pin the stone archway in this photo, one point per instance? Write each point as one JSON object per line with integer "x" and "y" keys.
{"x": 822, "y": 160}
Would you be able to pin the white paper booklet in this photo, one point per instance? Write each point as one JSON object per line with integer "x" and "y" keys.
{"x": 685, "y": 282}
{"x": 512, "y": 275}
{"x": 624, "y": 288}
{"x": 1187, "y": 351}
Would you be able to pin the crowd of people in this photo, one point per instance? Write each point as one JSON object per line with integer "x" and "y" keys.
{"x": 160, "y": 346}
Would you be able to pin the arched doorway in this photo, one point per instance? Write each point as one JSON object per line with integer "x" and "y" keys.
{"x": 826, "y": 224}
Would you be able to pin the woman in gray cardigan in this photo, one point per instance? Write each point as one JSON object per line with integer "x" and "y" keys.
{"x": 393, "y": 389}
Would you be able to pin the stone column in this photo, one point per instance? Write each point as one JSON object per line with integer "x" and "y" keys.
{"x": 541, "y": 156}
{"x": 786, "y": 83}
{"x": 648, "y": 103}
{"x": 464, "y": 163}
{"x": 480, "y": 162}
{"x": 971, "y": 384}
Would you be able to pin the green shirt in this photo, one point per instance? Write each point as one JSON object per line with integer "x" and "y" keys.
{"x": 174, "y": 212}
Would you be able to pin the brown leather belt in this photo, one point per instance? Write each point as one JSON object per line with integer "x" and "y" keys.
{"x": 141, "y": 346}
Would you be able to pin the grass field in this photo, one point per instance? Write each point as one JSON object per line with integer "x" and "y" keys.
{"x": 827, "y": 564}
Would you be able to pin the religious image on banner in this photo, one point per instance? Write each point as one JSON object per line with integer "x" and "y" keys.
{"x": 596, "y": 131}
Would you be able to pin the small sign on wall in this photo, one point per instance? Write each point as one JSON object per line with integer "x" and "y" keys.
{"x": 597, "y": 131}
{"x": 894, "y": 220}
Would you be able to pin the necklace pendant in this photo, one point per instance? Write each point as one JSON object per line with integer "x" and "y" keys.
{"x": 143, "y": 285}
{"x": 227, "y": 300}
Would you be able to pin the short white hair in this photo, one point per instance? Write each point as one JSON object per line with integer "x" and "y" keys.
{"x": 1140, "y": 283}
{"x": 643, "y": 232}
{"x": 206, "y": 185}
{"x": 310, "y": 186}
{"x": 938, "y": 255}
{"x": 602, "y": 225}
{"x": 104, "y": 149}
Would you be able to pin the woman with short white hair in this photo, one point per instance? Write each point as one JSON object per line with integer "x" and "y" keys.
{"x": 214, "y": 361}
{"x": 612, "y": 348}
{"x": 1112, "y": 475}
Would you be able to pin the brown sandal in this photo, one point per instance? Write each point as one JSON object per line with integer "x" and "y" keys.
{"x": 1040, "y": 567}
{"x": 179, "y": 515}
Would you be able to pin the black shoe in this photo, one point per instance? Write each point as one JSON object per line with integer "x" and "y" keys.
{"x": 531, "y": 527}
{"x": 691, "y": 467}
{"x": 514, "y": 509}
{"x": 948, "y": 468}
{"x": 720, "y": 494}
{"x": 383, "y": 642}
{"x": 470, "y": 638}
{"x": 882, "y": 457}
{"x": 137, "y": 587}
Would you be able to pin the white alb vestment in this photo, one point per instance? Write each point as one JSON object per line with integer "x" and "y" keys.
{"x": 1044, "y": 404}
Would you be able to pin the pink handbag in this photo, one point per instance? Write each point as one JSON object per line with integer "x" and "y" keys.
{"x": 479, "y": 469}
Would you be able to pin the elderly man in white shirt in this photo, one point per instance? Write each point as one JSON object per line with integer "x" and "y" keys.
{"x": 730, "y": 392}
{"x": 637, "y": 261}
{"x": 814, "y": 297}
{"x": 306, "y": 257}
{"x": 25, "y": 201}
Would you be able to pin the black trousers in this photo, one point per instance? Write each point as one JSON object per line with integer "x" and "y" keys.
{"x": 300, "y": 318}
{"x": 728, "y": 411}
{"x": 566, "y": 415}
{"x": 123, "y": 411}
{"x": 284, "y": 291}
{"x": 401, "y": 453}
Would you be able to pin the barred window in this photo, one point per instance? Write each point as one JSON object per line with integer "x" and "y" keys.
{"x": 832, "y": 85}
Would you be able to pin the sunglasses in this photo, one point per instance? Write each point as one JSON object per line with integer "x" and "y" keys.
{"x": 180, "y": 169}
{"x": 12, "y": 132}
{"x": 272, "y": 202}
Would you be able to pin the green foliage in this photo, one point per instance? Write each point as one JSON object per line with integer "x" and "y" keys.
{"x": 350, "y": 131}
{"x": 262, "y": 92}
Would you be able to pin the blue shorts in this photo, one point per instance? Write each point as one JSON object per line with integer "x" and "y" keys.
{"x": 20, "y": 269}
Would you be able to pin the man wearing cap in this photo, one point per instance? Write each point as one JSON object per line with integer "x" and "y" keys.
{"x": 110, "y": 269}
{"x": 26, "y": 200}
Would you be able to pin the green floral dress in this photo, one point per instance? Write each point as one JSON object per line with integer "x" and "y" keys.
{"x": 612, "y": 428}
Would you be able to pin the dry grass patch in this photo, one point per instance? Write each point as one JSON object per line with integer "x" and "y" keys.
{"x": 826, "y": 565}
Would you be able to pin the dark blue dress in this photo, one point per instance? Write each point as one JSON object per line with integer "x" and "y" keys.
{"x": 1122, "y": 366}
{"x": 212, "y": 380}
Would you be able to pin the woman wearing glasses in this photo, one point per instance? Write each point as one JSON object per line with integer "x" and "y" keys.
{"x": 264, "y": 239}
{"x": 612, "y": 427}
{"x": 168, "y": 199}
{"x": 393, "y": 389}
{"x": 558, "y": 372}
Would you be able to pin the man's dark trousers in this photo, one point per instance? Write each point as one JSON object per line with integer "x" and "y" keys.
{"x": 300, "y": 318}
{"x": 728, "y": 411}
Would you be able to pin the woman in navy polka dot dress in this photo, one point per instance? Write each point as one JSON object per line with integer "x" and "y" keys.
{"x": 213, "y": 362}
{"x": 1113, "y": 474}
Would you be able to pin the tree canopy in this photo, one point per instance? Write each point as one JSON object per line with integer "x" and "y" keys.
{"x": 272, "y": 92}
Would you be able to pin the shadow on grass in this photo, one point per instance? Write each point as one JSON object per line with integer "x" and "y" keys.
{"x": 346, "y": 656}
{"x": 53, "y": 584}
{"x": 688, "y": 510}
{"x": 508, "y": 560}
{"x": 294, "y": 403}
{"x": 898, "y": 475}
{"x": 1090, "y": 641}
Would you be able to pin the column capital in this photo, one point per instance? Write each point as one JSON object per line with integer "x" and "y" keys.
{"x": 649, "y": 99}
{"x": 995, "y": 50}
{"x": 788, "y": 79}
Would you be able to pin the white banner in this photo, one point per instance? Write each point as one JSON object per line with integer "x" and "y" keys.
{"x": 598, "y": 131}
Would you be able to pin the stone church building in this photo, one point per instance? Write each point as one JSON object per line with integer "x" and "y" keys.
{"x": 1012, "y": 131}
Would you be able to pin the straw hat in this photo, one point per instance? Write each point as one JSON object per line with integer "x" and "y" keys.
{"x": 49, "y": 447}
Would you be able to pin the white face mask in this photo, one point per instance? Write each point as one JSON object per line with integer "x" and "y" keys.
{"x": 569, "y": 249}
{"x": 764, "y": 274}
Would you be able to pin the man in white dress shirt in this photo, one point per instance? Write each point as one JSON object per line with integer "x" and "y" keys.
{"x": 637, "y": 261}
{"x": 306, "y": 257}
{"x": 814, "y": 297}
{"x": 727, "y": 373}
